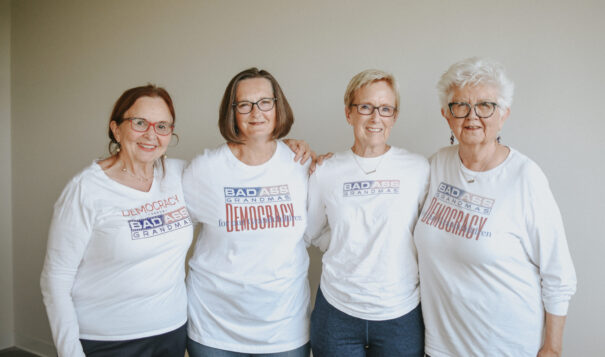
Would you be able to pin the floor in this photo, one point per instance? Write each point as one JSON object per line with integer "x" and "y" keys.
{"x": 15, "y": 352}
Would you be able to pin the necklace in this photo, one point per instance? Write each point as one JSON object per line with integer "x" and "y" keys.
{"x": 472, "y": 179}
{"x": 139, "y": 178}
{"x": 368, "y": 172}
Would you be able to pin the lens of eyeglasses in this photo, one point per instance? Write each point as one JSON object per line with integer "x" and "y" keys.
{"x": 460, "y": 110}
{"x": 163, "y": 128}
{"x": 139, "y": 124}
{"x": 485, "y": 109}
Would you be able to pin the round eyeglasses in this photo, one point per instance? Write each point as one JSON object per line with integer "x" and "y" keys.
{"x": 483, "y": 110}
{"x": 142, "y": 125}
{"x": 383, "y": 110}
{"x": 263, "y": 104}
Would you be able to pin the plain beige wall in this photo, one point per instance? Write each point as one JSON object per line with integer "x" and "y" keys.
{"x": 6, "y": 242}
{"x": 72, "y": 59}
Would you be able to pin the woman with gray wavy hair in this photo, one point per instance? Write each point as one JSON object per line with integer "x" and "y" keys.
{"x": 495, "y": 269}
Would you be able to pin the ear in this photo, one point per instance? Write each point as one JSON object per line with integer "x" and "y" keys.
{"x": 505, "y": 115}
{"x": 444, "y": 114}
{"x": 348, "y": 115}
{"x": 114, "y": 129}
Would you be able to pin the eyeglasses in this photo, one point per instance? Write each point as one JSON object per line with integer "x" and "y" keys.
{"x": 142, "y": 125}
{"x": 383, "y": 110}
{"x": 263, "y": 104}
{"x": 483, "y": 110}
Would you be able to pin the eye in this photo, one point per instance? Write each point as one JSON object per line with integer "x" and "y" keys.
{"x": 266, "y": 101}
{"x": 385, "y": 109}
{"x": 163, "y": 125}
{"x": 367, "y": 107}
{"x": 244, "y": 105}
{"x": 139, "y": 122}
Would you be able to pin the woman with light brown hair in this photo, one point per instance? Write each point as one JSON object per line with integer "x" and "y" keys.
{"x": 247, "y": 286}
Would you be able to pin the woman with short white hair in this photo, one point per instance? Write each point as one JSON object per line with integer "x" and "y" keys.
{"x": 495, "y": 269}
{"x": 369, "y": 197}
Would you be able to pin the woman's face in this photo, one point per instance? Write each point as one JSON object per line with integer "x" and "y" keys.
{"x": 143, "y": 147}
{"x": 473, "y": 130}
{"x": 372, "y": 130}
{"x": 258, "y": 124}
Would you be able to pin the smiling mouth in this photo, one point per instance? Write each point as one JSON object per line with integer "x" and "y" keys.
{"x": 374, "y": 130}
{"x": 147, "y": 147}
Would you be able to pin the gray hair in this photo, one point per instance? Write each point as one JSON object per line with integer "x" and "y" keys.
{"x": 476, "y": 71}
{"x": 366, "y": 77}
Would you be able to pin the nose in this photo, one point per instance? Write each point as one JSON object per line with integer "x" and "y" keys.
{"x": 150, "y": 133}
{"x": 472, "y": 114}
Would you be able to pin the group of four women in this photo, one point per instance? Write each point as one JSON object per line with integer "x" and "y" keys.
{"x": 475, "y": 234}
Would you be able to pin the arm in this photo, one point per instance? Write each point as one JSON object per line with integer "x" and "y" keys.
{"x": 70, "y": 231}
{"x": 549, "y": 251}
{"x": 553, "y": 338}
{"x": 317, "y": 232}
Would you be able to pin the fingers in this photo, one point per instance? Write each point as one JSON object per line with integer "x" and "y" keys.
{"x": 323, "y": 157}
{"x": 300, "y": 153}
{"x": 318, "y": 160}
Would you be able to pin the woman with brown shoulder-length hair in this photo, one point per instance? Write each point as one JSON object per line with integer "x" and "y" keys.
{"x": 248, "y": 289}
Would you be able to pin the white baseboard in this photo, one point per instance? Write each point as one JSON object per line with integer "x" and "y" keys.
{"x": 34, "y": 345}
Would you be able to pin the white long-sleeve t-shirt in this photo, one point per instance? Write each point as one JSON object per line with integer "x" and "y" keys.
{"x": 493, "y": 256}
{"x": 247, "y": 283}
{"x": 370, "y": 268}
{"x": 115, "y": 263}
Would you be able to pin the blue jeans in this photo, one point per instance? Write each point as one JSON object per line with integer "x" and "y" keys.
{"x": 198, "y": 350}
{"x": 336, "y": 334}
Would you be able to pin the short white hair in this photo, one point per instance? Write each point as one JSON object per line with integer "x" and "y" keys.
{"x": 476, "y": 71}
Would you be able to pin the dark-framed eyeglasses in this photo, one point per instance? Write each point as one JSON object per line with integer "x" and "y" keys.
{"x": 263, "y": 104}
{"x": 483, "y": 110}
{"x": 142, "y": 125}
{"x": 383, "y": 110}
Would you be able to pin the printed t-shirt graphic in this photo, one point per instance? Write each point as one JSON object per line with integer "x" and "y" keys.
{"x": 459, "y": 212}
{"x": 252, "y": 208}
{"x": 157, "y": 217}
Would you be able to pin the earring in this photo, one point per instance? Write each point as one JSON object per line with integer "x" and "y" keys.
{"x": 498, "y": 139}
{"x": 118, "y": 148}
{"x": 452, "y": 139}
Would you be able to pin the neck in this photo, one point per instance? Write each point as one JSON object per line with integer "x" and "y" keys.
{"x": 254, "y": 152}
{"x": 368, "y": 150}
{"x": 482, "y": 157}
{"x": 136, "y": 168}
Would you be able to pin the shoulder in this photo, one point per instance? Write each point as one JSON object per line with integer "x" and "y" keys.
{"x": 83, "y": 184}
{"x": 174, "y": 165}
{"x": 210, "y": 156}
{"x": 525, "y": 169}
{"x": 409, "y": 157}
{"x": 286, "y": 157}
{"x": 336, "y": 162}
{"x": 444, "y": 154}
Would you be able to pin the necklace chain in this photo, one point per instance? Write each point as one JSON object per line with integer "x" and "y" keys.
{"x": 472, "y": 179}
{"x": 139, "y": 178}
{"x": 371, "y": 171}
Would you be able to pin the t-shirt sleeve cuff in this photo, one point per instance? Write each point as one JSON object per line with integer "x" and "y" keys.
{"x": 557, "y": 308}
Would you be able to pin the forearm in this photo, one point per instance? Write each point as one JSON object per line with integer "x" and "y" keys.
{"x": 553, "y": 337}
